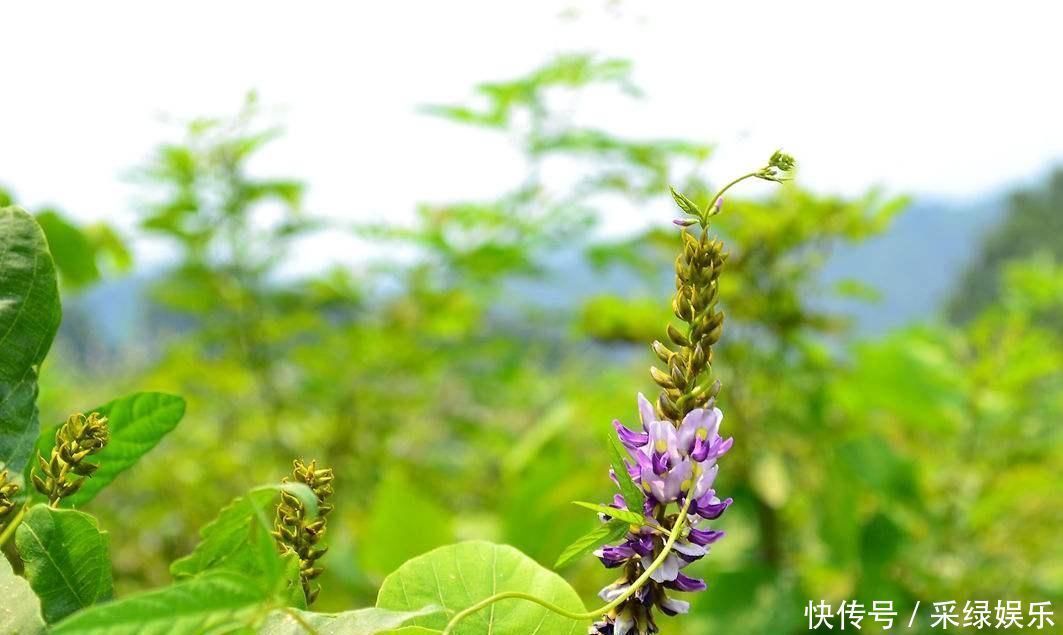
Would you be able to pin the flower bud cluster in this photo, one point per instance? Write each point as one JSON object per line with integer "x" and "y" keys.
{"x": 65, "y": 471}
{"x": 295, "y": 533}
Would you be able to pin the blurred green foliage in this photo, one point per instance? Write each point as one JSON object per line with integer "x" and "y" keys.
{"x": 82, "y": 253}
{"x": 1032, "y": 223}
{"x": 466, "y": 392}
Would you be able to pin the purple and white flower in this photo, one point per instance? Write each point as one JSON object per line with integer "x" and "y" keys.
{"x": 671, "y": 464}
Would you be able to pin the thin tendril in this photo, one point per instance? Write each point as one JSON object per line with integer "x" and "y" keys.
{"x": 589, "y": 615}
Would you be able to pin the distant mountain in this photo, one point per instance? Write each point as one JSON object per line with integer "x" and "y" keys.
{"x": 915, "y": 265}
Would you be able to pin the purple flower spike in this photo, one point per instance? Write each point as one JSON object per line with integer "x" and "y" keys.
{"x": 642, "y": 544}
{"x": 647, "y": 414}
{"x": 704, "y": 537}
{"x": 671, "y": 462}
{"x": 613, "y": 557}
{"x": 672, "y": 607}
{"x": 709, "y": 507}
{"x": 632, "y": 440}
{"x": 699, "y": 431}
{"x": 686, "y": 584}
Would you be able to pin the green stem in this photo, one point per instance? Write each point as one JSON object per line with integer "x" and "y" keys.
{"x": 712, "y": 203}
{"x": 12, "y": 525}
{"x": 589, "y": 615}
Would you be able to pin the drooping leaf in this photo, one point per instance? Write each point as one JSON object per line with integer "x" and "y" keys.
{"x": 20, "y": 610}
{"x": 224, "y": 542}
{"x": 72, "y": 251}
{"x": 213, "y": 603}
{"x": 371, "y": 621}
{"x": 394, "y": 501}
{"x": 626, "y": 515}
{"x": 137, "y": 423}
{"x": 29, "y": 317}
{"x": 457, "y": 576}
{"x": 67, "y": 560}
{"x": 586, "y": 543}
{"x": 631, "y": 492}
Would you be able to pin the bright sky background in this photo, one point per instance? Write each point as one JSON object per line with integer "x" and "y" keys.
{"x": 940, "y": 98}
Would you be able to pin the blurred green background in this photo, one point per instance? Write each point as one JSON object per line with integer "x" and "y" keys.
{"x": 462, "y": 378}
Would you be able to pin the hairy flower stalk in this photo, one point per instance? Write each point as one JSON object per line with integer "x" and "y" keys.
{"x": 673, "y": 456}
{"x": 295, "y": 534}
{"x": 66, "y": 470}
{"x": 672, "y": 459}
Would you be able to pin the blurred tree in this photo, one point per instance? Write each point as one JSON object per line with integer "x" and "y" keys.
{"x": 1033, "y": 222}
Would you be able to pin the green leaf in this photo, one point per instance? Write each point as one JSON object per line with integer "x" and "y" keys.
{"x": 626, "y": 515}
{"x": 224, "y": 542}
{"x": 586, "y": 543}
{"x": 67, "y": 560}
{"x": 21, "y": 610}
{"x": 685, "y": 203}
{"x": 371, "y": 621}
{"x": 214, "y": 603}
{"x": 392, "y": 502}
{"x": 29, "y": 317}
{"x": 632, "y": 493}
{"x": 458, "y": 576}
{"x": 72, "y": 251}
{"x": 137, "y": 423}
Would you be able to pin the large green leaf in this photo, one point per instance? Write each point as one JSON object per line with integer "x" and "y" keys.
{"x": 457, "y": 576}
{"x": 20, "y": 610}
{"x": 213, "y": 603}
{"x": 372, "y": 621}
{"x": 29, "y": 317}
{"x": 67, "y": 559}
{"x": 137, "y": 423}
{"x": 224, "y": 541}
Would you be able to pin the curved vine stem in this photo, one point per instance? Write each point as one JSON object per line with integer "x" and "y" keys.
{"x": 710, "y": 210}
{"x": 589, "y": 615}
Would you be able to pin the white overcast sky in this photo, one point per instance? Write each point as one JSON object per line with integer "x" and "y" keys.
{"x": 941, "y": 98}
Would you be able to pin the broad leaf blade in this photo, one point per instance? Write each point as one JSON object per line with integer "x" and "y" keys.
{"x": 67, "y": 560}
{"x": 214, "y": 603}
{"x": 457, "y": 576}
{"x": 29, "y": 317}
{"x": 372, "y": 621}
{"x": 225, "y": 542}
{"x": 586, "y": 543}
{"x": 20, "y": 610}
{"x": 137, "y": 423}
